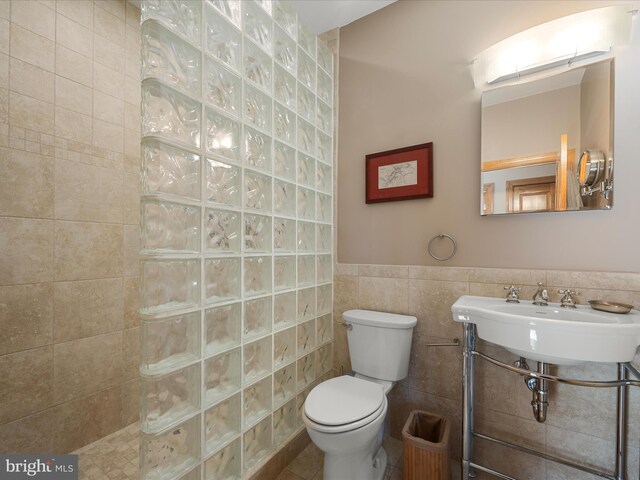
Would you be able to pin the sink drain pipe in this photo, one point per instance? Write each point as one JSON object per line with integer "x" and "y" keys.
{"x": 539, "y": 386}
{"x": 540, "y": 402}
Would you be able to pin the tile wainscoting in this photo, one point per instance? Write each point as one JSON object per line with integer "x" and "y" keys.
{"x": 580, "y": 423}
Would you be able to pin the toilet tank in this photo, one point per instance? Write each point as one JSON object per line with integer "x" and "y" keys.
{"x": 379, "y": 343}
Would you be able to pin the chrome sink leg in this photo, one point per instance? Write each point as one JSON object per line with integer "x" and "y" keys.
{"x": 621, "y": 430}
{"x": 468, "y": 401}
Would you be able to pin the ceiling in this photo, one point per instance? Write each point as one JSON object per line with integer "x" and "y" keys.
{"x": 323, "y": 15}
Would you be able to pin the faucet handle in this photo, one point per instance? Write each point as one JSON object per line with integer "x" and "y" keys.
{"x": 568, "y": 300}
{"x": 512, "y": 295}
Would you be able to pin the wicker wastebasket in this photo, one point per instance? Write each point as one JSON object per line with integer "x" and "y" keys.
{"x": 426, "y": 446}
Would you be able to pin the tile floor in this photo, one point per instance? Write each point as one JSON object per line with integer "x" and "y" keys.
{"x": 115, "y": 457}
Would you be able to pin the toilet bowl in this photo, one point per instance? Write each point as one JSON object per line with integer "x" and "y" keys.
{"x": 345, "y": 415}
{"x": 345, "y": 419}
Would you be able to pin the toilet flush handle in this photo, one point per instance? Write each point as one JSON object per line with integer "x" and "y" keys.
{"x": 348, "y": 326}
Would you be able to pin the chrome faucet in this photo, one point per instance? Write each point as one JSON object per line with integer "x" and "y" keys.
{"x": 567, "y": 300}
{"x": 541, "y": 297}
{"x": 512, "y": 295}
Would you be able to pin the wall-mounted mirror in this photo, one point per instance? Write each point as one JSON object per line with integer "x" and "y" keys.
{"x": 547, "y": 144}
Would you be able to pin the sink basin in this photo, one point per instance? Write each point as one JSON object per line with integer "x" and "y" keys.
{"x": 562, "y": 336}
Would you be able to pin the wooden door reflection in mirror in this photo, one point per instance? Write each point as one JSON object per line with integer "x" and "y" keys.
{"x": 531, "y": 194}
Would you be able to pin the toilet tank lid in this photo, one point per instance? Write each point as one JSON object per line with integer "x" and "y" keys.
{"x": 379, "y": 319}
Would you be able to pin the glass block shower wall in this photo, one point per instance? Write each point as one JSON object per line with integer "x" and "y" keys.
{"x": 236, "y": 294}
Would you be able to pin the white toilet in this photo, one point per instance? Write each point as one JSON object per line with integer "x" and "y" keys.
{"x": 345, "y": 415}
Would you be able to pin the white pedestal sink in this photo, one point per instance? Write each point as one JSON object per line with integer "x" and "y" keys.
{"x": 552, "y": 334}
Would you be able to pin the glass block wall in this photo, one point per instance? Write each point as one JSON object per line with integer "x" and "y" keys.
{"x": 236, "y": 294}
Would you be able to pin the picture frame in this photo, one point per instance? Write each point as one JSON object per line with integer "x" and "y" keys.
{"x": 400, "y": 174}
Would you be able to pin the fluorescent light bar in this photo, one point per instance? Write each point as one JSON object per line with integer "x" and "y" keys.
{"x": 547, "y": 66}
{"x": 554, "y": 44}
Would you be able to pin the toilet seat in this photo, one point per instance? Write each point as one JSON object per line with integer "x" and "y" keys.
{"x": 344, "y": 403}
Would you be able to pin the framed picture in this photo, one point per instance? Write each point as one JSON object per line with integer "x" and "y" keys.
{"x": 401, "y": 174}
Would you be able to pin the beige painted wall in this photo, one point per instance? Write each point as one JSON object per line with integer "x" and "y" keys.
{"x": 69, "y": 222}
{"x": 405, "y": 79}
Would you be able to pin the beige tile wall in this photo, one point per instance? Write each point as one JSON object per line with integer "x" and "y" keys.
{"x": 580, "y": 423}
{"x": 69, "y": 214}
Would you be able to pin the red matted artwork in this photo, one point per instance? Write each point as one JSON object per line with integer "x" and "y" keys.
{"x": 401, "y": 174}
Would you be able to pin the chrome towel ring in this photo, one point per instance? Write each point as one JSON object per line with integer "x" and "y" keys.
{"x": 439, "y": 236}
